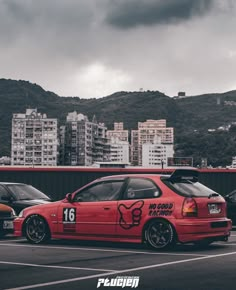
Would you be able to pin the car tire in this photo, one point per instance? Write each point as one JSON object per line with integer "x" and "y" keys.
{"x": 2, "y": 234}
{"x": 36, "y": 229}
{"x": 159, "y": 234}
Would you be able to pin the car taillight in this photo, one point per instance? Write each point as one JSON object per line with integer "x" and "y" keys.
{"x": 189, "y": 208}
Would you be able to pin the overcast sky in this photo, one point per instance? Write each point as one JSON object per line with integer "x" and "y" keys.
{"x": 93, "y": 48}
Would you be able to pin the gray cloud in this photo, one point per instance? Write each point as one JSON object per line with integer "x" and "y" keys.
{"x": 132, "y": 13}
{"x": 92, "y": 48}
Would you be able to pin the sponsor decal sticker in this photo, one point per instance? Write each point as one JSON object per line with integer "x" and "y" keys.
{"x": 160, "y": 209}
{"x": 130, "y": 216}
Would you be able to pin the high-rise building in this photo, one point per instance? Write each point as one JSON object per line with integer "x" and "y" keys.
{"x": 119, "y": 151}
{"x": 61, "y": 157}
{"x": 83, "y": 142}
{"x": 34, "y": 139}
{"x": 119, "y": 144}
{"x": 118, "y": 132}
{"x": 134, "y": 147}
{"x": 156, "y": 154}
{"x": 146, "y": 133}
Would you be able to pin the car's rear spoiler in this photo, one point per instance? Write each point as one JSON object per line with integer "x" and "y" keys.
{"x": 184, "y": 174}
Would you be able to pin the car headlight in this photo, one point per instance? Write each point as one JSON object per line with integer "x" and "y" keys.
{"x": 21, "y": 214}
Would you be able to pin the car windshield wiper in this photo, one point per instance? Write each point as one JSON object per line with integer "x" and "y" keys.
{"x": 213, "y": 195}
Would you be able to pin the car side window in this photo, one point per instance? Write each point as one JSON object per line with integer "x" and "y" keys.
{"x": 3, "y": 192}
{"x": 106, "y": 190}
{"x": 141, "y": 188}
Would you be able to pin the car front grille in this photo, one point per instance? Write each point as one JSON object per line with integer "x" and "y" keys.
{"x": 5, "y": 214}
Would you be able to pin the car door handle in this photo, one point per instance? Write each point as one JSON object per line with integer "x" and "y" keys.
{"x": 106, "y": 208}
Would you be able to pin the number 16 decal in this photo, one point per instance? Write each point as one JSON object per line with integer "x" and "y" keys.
{"x": 69, "y": 215}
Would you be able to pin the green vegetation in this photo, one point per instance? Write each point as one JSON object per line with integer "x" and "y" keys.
{"x": 191, "y": 117}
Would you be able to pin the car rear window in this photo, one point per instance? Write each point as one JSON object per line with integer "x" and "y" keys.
{"x": 189, "y": 188}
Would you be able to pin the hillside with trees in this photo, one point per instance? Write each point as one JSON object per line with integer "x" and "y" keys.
{"x": 205, "y": 125}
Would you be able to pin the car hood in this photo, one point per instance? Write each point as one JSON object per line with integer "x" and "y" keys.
{"x": 5, "y": 208}
{"x": 31, "y": 202}
{"x": 39, "y": 207}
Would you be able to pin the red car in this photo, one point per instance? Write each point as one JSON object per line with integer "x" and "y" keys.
{"x": 160, "y": 210}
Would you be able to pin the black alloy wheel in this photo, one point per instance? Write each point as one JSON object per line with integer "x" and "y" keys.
{"x": 159, "y": 234}
{"x": 36, "y": 229}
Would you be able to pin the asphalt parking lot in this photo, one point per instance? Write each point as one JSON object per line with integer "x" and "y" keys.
{"x": 85, "y": 265}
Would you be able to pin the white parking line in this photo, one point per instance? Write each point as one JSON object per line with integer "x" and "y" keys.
{"x": 55, "y": 267}
{"x": 119, "y": 272}
{"x": 104, "y": 250}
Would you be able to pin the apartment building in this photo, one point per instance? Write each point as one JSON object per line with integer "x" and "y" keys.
{"x": 156, "y": 154}
{"x": 148, "y": 132}
{"x": 118, "y": 140}
{"x": 134, "y": 157}
{"x": 118, "y": 132}
{"x": 34, "y": 139}
{"x": 119, "y": 151}
{"x": 82, "y": 142}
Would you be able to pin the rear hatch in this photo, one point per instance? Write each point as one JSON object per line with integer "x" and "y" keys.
{"x": 210, "y": 207}
{"x": 209, "y": 204}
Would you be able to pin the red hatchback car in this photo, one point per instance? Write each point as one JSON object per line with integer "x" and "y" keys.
{"x": 160, "y": 210}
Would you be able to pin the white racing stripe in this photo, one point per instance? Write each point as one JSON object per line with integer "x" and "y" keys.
{"x": 119, "y": 272}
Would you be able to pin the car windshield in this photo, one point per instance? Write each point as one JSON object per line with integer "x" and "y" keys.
{"x": 189, "y": 188}
{"x": 26, "y": 192}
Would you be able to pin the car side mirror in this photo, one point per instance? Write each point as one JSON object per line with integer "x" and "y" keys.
{"x": 226, "y": 197}
{"x": 69, "y": 197}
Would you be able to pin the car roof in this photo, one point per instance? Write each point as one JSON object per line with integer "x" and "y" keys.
{"x": 123, "y": 176}
{"x": 178, "y": 173}
{"x": 10, "y": 183}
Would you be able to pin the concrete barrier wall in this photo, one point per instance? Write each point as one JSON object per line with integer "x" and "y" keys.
{"x": 58, "y": 181}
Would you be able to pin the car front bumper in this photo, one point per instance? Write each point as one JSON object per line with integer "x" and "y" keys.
{"x": 6, "y": 226}
{"x": 18, "y": 223}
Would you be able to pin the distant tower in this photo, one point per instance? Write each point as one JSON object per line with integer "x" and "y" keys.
{"x": 181, "y": 94}
{"x": 218, "y": 101}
